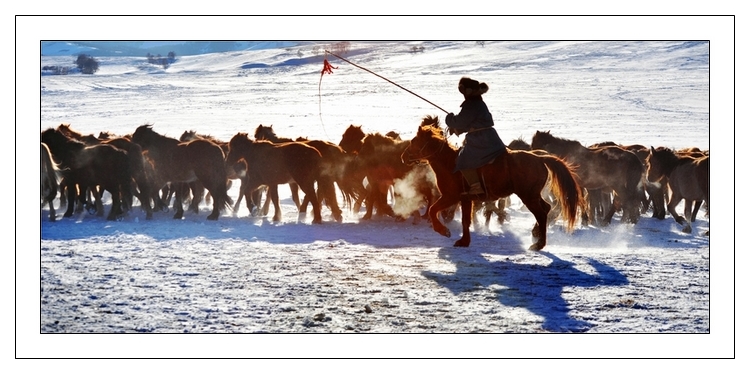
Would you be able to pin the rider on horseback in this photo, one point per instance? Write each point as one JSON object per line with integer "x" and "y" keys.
{"x": 481, "y": 144}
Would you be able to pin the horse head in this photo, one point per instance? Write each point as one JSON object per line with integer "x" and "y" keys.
{"x": 144, "y": 135}
{"x": 238, "y": 146}
{"x": 352, "y": 139}
{"x": 659, "y": 163}
{"x": 188, "y": 135}
{"x": 428, "y": 142}
{"x": 519, "y": 145}
{"x": 541, "y": 139}
{"x": 264, "y": 132}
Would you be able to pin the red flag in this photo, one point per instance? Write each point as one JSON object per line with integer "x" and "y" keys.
{"x": 327, "y": 67}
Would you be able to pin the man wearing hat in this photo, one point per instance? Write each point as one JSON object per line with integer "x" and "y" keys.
{"x": 481, "y": 144}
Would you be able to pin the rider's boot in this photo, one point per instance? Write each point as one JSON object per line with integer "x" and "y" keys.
{"x": 472, "y": 178}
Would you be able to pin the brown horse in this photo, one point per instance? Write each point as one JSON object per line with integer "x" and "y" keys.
{"x": 181, "y": 163}
{"x": 142, "y": 185}
{"x": 518, "y": 172}
{"x": 89, "y": 167}
{"x": 380, "y": 158}
{"x": 601, "y": 170}
{"x": 333, "y": 171}
{"x": 50, "y": 180}
{"x": 272, "y": 164}
{"x": 196, "y": 187}
{"x": 687, "y": 177}
{"x": 351, "y": 140}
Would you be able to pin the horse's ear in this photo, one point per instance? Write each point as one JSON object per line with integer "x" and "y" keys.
{"x": 652, "y": 149}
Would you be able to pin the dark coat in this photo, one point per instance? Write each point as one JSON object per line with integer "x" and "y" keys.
{"x": 481, "y": 144}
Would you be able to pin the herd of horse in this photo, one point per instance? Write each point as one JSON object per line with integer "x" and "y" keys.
{"x": 554, "y": 178}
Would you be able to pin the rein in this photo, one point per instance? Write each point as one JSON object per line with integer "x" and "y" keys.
{"x": 421, "y": 157}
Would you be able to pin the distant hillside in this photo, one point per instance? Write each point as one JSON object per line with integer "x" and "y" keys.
{"x": 141, "y": 48}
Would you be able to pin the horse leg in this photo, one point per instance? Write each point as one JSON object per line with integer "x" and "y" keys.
{"x": 688, "y": 212}
{"x": 327, "y": 193}
{"x": 51, "y": 210}
{"x": 369, "y": 203}
{"x": 63, "y": 194}
{"x": 143, "y": 196}
{"x": 540, "y": 209}
{"x": 309, "y": 190}
{"x": 696, "y": 208}
{"x": 266, "y": 204}
{"x": 71, "y": 200}
{"x": 178, "y": 189}
{"x": 294, "y": 188}
{"x": 466, "y": 214}
{"x": 116, "y": 208}
{"x": 441, "y": 204}
{"x": 673, "y": 201}
{"x": 273, "y": 195}
{"x": 197, "y": 190}
{"x": 97, "y": 193}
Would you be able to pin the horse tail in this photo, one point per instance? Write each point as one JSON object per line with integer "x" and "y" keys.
{"x": 566, "y": 189}
{"x": 51, "y": 174}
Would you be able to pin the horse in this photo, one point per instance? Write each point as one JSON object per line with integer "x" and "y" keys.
{"x": 687, "y": 177}
{"x": 142, "y": 181}
{"x": 521, "y": 145}
{"x": 50, "y": 180}
{"x": 333, "y": 171}
{"x": 181, "y": 163}
{"x": 380, "y": 158}
{"x": 196, "y": 187}
{"x": 517, "y": 172}
{"x": 89, "y": 167}
{"x": 351, "y": 140}
{"x": 601, "y": 170}
{"x": 272, "y": 164}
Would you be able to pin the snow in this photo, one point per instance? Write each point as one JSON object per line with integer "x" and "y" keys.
{"x": 624, "y": 284}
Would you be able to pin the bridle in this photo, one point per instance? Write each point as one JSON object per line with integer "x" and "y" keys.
{"x": 422, "y": 157}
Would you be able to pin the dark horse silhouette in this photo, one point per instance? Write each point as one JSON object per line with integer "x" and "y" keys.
{"x": 272, "y": 164}
{"x": 519, "y": 172}
{"x": 89, "y": 167}
{"x": 181, "y": 163}
{"x": 50, "y": 180}
{"x": 688, "y": 179}
{"x": 601, "y": 169}
{"x": 334, "y": 165}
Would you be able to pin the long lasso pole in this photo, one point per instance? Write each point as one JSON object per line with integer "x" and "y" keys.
{"x": 386, "y": 79}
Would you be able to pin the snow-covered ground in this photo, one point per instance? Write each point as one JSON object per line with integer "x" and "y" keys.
{"x": 244, "y": 274}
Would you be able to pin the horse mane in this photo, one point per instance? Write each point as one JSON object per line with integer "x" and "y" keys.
{"x": 190, "y": 135}
{"x": 393, "y": 135}
{"x": 431, "y": 131}
{"x": 267, "y": 133}
{"x": 519, "y": 145}
{"x": 65, "y": 129}
{"x": 547, "y": 137}
{"x": 430, "y": 121}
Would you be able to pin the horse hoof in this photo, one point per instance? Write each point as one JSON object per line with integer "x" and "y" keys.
{"x": 461, "y": 243}
{"x": 536, "y": 247}
{"x": 687, "y": 230}
{"x": 212, "y": 218}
